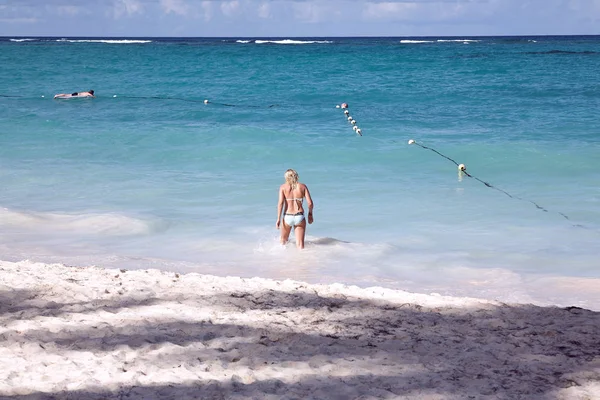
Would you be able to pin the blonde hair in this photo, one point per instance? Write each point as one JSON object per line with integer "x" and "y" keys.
{"x": 291, "y": 177}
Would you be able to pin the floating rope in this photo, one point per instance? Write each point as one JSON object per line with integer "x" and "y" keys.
{"x": 197, "y": 101}
{"x": 352, "y": 121}
{"x": 177, "y": 99}
{"x": 159, "y": 98}
{"x": 462, "y": 169}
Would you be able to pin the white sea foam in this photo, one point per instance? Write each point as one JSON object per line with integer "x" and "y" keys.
{"x": 107, "y": 224}
{"x": 407, "y": 41}
{"x": 459, "y": 40}
{"x": 22, "y": 40}
{"x": 290, "y": 41}
{"x": 411, "y": 41}
{"x": 109, "y": 41}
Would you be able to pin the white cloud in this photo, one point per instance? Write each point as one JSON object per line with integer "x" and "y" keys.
{"x": 19, "y": 20}
{"x": 70, "y": 11}
{"x": 314, "y": 12}
{"x": 126, "y": 8}
{"x": 387, "y": 10}
{"x": 302, "y": 17}
{"x": 264, "y": 11}
{"x": 429, "y": 11}
{"x": 207, "y": 10}
{"x": 178, "y": 7}
{"x": 230, "y": 8}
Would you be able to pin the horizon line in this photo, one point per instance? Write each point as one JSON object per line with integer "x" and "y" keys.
{"x": 297, "y": 37}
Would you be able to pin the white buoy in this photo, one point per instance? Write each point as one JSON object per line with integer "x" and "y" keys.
{"x": 461, "y": 172}
{"x": 114, "y": 95}
{"x": 411, "y": 141}
{"x": 359, "y": 131}
{"x": 350, "y": 118}
{"x": 337, "y": 106}
{"x": 42, "y": 95}
{"x": 354, "y": 128}
{"x": 346, "y": 112}
{"x": 205, "y": 101}
{"x": 353, "y": 122}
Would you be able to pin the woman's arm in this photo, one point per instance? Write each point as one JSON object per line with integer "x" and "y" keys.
{"x": 280, "y": 206}
{"x": 310, "y": 204}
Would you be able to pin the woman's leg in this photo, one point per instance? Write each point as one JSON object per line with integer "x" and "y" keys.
{"x": 285, "y": 232}
{"x": 300, "y": 231}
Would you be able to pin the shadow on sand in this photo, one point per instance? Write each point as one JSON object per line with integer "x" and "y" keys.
{"x": 354, "y": 348}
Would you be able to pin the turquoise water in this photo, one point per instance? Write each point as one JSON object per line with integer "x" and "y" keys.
{"x": 147, "y": 175}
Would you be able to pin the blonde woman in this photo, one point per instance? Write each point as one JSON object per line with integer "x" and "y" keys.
{"x": 291, "y": 197}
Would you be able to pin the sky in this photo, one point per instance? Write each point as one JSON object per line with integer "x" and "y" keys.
{"x": 297, "y": 18}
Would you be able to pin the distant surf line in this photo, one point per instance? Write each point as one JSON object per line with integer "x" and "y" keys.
{"x": 66, "y": 40}
{"x": 283, "y": 41}
{"x": 417, "y": 41}
{"x": 108, "y": 41}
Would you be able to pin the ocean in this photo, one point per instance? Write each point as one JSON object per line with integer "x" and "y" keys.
{"x": 150, "y": 175}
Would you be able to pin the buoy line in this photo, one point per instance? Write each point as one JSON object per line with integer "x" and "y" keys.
{"x": 462, "y": 169}
{"x": 352, "y": 121}
{"x": 205, "y": 101}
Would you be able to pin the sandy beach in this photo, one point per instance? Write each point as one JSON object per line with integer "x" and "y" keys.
{"x": 92, "y": 333}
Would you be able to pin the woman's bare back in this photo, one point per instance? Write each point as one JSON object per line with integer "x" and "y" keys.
{"x": 293, "y": 198}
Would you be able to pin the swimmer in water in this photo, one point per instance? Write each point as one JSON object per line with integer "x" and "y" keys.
{"x": 89, "y": 93}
